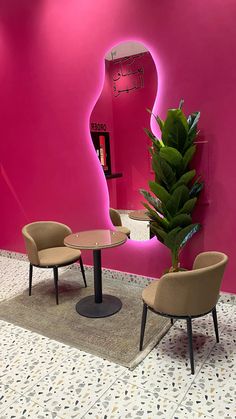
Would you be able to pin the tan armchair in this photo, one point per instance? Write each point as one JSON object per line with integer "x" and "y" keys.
{"x": 187, "y": 294}
{"x": 116, "y": 221}
{"x": 44, "y": 241}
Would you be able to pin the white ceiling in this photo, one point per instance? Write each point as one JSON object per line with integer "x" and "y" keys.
{"x": 125, "y": 50}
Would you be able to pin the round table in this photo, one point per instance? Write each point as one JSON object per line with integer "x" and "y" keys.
{"x": 139, "y": 215}
{"x": 99, "y": 304}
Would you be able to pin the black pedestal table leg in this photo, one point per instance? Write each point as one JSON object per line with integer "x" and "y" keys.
{"x": 99, "y": 304}
{"x": 97, "y": 275}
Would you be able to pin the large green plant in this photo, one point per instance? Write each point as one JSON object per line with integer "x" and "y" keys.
{"x": 175, "y": 189}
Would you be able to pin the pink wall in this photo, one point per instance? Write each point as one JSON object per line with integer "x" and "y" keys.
{"x": 51, "y": 75}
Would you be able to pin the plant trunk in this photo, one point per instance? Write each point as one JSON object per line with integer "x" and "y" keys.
{"x": 175, "y": 260}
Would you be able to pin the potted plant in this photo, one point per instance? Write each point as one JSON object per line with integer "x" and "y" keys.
{"x": 174, "y": 193}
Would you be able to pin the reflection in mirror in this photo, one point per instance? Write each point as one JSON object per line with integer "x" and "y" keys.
{"x": 117, "y": 124}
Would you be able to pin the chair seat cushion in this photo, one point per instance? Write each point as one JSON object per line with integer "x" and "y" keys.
{"x": 56, "y": 256}
{"x": 148, "y": 294}
{"x": 123, "y": 229}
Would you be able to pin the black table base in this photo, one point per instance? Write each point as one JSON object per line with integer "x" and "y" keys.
{"x": 88, "y": 308}
{"x": 98, "y": 305}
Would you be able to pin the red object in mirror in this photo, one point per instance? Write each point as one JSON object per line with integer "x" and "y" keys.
{"x": 101, "y": 142}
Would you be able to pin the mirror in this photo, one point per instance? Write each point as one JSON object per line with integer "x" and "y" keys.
{"x": 116, "y": 125}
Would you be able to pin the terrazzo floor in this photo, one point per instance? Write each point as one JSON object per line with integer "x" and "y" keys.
{"x": 42, "y": 378}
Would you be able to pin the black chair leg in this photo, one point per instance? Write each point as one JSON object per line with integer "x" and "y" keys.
{"x": 30, "y": 277}
{"x": 190, "y": 343}
{"x": 172, "y": 321}
{"x": 214, "y": 315}
{"x": 143, "y": 324}
{"x": 82, "y": 271}
{"x": 55, "y": 271}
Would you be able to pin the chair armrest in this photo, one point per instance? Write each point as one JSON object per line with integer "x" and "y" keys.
{"x": 31, "y": 248}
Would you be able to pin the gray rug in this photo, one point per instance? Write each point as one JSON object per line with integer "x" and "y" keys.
{"x": 114, "y": 338}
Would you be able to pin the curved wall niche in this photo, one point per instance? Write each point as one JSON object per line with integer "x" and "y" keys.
{"x": 116, "y": 124}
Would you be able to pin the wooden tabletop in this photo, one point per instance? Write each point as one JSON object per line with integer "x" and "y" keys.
{"x": 139, "y": 215}
{"x": 95, "y": 239}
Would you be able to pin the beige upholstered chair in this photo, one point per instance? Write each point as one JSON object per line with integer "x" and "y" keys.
{"x": 187, "y": 294}
{"x": 44, "y": 241}
{"x": 116, "y": 221}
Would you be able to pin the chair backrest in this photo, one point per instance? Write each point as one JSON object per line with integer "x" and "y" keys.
{"x": 115, "y": 217}
{"x": 192, "y": 293}
{"x": 43, "y": 235}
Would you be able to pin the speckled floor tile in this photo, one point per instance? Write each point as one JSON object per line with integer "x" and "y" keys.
{"x": 166, "y": 370}
{"x": 226, "y": 315}
{"x": 168, "y": 378}
{"x": 213, "y": 392}
{"x": 7, "y": 397}
{"x": 58, "y": 381}
{"x": 174, "y": 345}
{"x": 15, "y": 336}
{"x": 124, "y": 400}
{"x": 223, "y": 354}
{"x": 101, "y": 365}
{"x": 10, "y": 341}
{"x": 227, "y": 298}
{"x": 24, "y": 408}
{"x": 184, "y": 412}
{"x": 227, "y": 320}
{"x": 22, "y": 367}
{"x": 71, "y": 389}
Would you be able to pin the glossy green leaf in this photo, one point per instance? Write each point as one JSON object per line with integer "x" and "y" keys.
{"x": 166, "y": 213}
{"x": 193, "y": 131}
{"x": 185, "y": 235}
{"x": 157, "y": 169}
{"x": 171, "y": 239}
{"x": 177, "y": 200}
{"x": 153, "y": 138}
{"x": 159, "y": 233}
{"x": 164, "y": 171}
{"x": 184, "y": 179}
{"x": 160, "y": 192}
{"x": 196, "y": 188}
{"x": 162, "y": 222}
{"x": 193, "y": 120}
{"x": 188, "y": 206}
{"x": 172, "y": 156}
{"x": 155, "y": 202}
{"x": 157, "y": 118}
{"x": 188, "y": 155}
{"x": 175, "y": 129}
{"x": 181, "y": 220}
